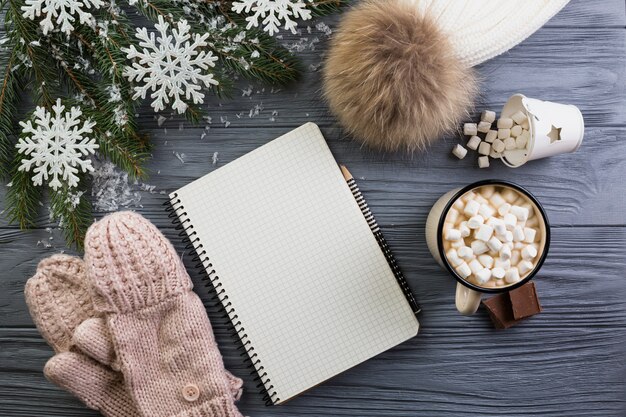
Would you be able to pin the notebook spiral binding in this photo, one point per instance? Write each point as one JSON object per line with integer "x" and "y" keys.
{"x": 178, "y": 215}
{"x": 384, "y": 246}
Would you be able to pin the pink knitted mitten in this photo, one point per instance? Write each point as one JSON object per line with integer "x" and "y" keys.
{"x": 59, "y": 300}
{"x": 159, "y": 328}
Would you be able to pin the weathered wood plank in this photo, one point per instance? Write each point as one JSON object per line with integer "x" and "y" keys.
{"x": 401, "y": 189}
{"x": 592, "y": 292}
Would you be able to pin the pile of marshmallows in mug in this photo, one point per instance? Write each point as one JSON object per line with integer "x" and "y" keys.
{"x": 512, "y": 133}
{"x": 501, "y": 229}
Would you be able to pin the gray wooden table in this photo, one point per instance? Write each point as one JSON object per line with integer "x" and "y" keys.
{"x": 568, "y": 361}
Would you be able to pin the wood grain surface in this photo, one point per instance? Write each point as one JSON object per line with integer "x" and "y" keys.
{"x": 568, "y": 361}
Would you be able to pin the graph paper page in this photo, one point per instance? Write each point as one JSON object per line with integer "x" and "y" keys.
{"x": 299, "y": 263}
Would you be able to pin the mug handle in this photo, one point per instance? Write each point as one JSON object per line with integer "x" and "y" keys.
{"x": 467, "y": 300}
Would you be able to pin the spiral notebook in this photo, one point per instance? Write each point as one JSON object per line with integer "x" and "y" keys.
{"x": 297, "y": 261}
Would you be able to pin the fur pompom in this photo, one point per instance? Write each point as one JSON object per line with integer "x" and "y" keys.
{"x": 392, "y": 79}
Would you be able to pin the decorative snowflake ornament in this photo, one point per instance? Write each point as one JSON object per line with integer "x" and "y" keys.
{"x": 272, "y": 12}
{"x": 171, "y": 65}
{"x": 56, "y": 145}
{"x": 60, "y": 13}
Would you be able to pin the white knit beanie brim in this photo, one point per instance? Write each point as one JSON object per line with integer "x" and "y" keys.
{"x": 482, "y": 29}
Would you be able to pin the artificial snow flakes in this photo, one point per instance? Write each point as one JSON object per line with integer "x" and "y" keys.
{"x": 272, "y": 12}
{"x": 56, "y": 145}
{"x": 172, "y": 66}
{"x": 60, "y": 13}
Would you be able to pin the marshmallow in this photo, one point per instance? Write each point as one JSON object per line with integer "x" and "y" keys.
{"x": 487, "y": 191}
{"x": 465, "y": 253}
{"x": 488, "y": 116}
{"x": 486, "y": 261}
{"x": 471, "y": 208}
{"x": 463, "y": 270}
{"x": 519, "y": 117}
{"x": 498, "y": 273}
{"x": 457, "y": 243}
{"x": 509, "y": 195}
{"x": 498, "y": 145}
{"x": 496, "y": 200}
{"x": 525, "y": 125}
{"x": 510, "y": 221}
{"x": 530, "y": 235}
{"x": 505, "y": 253}
{"x": 483, "y": 162}
{"x": 494, "y": 244}
{"x": 480, "y": 199}
{"x": 519, "y": 245}
{"x": 483, "y": 127}
{"x": 478, "y": 247}
{"x": 505, "y": 123}
{"x": 508, "y": 236}
{"x": 512, "y": 275}
{"x": 521, "y": 142}
{"x": 484, "y": 148}
{"x": 504, "y": 264}
{"x": 475, "y": 221}
{"x": 484, "y": 233}
{"x": 459, "y": 151}
{"x": 475, "y": 266}
{"x": 470, "y": 195}
{"x": 491, "y": 136}
{"x": 473, "y": 143}
{"x": 486, "y": 211}
{"x": 504, "y": 209}
{"x": 498, "y": 225}
{"x": 509, "y": 144}
{"x": 525, "y": 266}
{"x": 470, "y": 129}
{"x": 483, "y": 275}
{"x": 465, "y": 231}
{"x": 453, "y": 257}
{"x": 493, "y": 154}
{"x": 518, "y": 234}
{"x": 515, "y": 257}
{"x": 516, "y": 131}
{"x": 453, "y": 234}
{"x": 504, "y": 133}
{"x": 452, "y": 216}
{"x": 520, "y": 212}
{"x": 531, "y": 209}
{"x": 447, "y": 226}
{"x": 529, "y": 252}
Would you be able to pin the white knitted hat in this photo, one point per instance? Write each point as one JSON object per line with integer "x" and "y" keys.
{"x": 482, "y": 29}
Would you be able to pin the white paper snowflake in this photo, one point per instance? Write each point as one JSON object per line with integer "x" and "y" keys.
{"x": 272, "y": 12}
{"x": 56, "y": 145}
{"x": 171, "y": 65}
{"x": 60, "y": 13}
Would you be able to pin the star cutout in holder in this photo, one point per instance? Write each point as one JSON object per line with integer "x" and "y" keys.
{"x": 555, "y": 134}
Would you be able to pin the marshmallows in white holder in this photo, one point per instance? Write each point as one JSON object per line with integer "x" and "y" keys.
{"x": 492, "y": 236}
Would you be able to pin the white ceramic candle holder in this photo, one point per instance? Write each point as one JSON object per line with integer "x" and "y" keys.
{"x": 554, "y": 129}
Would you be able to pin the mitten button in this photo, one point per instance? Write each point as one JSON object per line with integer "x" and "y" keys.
{"x": 191, "y": 392}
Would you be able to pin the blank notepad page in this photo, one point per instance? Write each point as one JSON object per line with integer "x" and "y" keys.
{"x": 300, "y": 266}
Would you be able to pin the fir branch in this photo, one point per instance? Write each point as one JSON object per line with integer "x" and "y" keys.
{"x": 325, "y": 7}
{"x": 129, "y": 154}
{"x": 23, "y": 198}
{"x": 9, "y": 89}
{"x": 73, "y": 212}
{"x": 28, "y": 42}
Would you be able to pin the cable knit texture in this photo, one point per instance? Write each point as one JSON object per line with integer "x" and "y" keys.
{"x": 482, "y": 29}
{"x": 58, "y": 299}
{"x": 159, "y": 327}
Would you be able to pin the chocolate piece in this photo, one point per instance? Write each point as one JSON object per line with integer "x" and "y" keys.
{"x": 500, "y": 311}
{"x": 524, "y": 301}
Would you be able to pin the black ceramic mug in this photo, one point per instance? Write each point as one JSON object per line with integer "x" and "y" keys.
{"x": 468, "y": 293}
